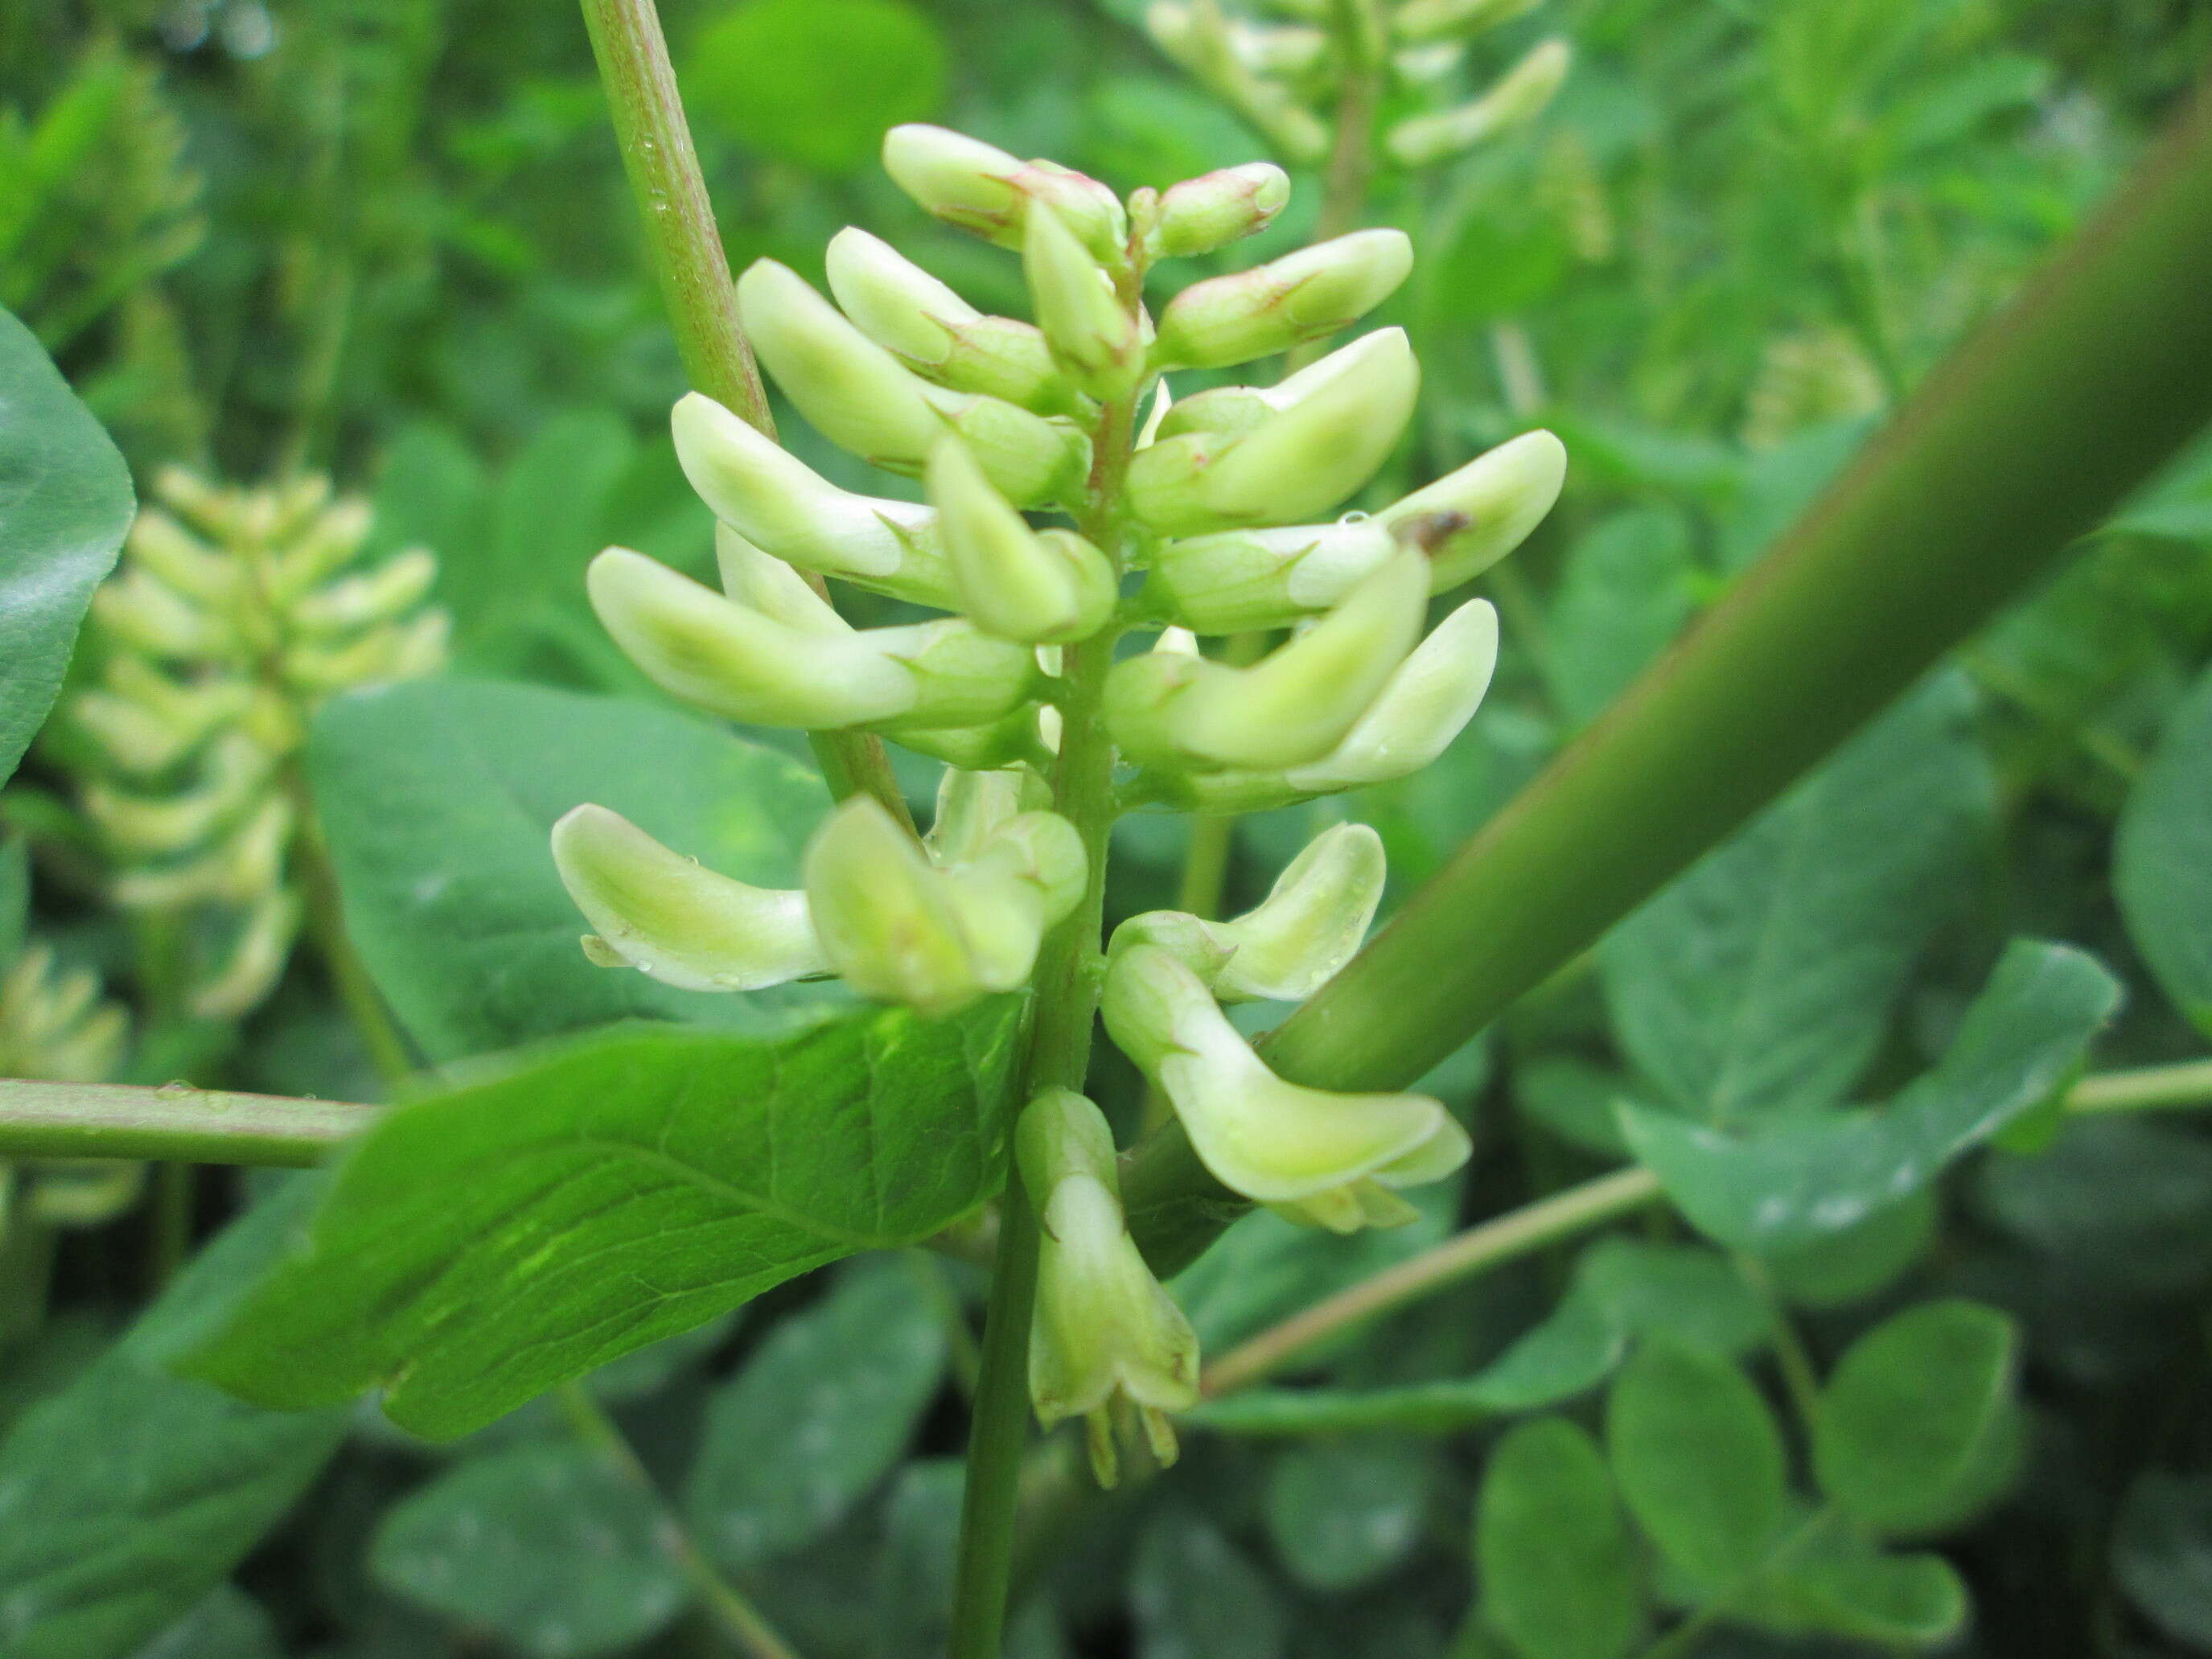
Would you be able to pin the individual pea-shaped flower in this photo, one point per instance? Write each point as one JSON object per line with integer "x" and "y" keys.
{"x": 745, "y": 665}
{"x": 1425, "y": 705}
{"x": 1014, "y": 582}
{"x": 1092, "y": 336}
{"x": 1328, "y": 1160}
{"x": 968, "y": 183}
{"x": 670, "y": 917}
{"x": 1243, "y": 456}
{"x": 777, "y": 501}
{"x": 1106, "y": 1341}
{"x": 895, "y": 926}
{"x": 1465, "y": 522}
{"x": 939, "y": 335}
{"x": 1294, "y": 706}
{"x": 1215, "y": 209}
{"x": 862, "y": 398}
{"x": 1294, "y": 940}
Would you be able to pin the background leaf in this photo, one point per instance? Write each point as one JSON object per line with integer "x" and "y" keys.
{"x": 821, "y": 1412}
{"x": 1197, "y": 1597}
{"x": 2162, "y": 1553}
{"x": 545, "y": 1543}
{"x": 1760, "y": 983}
{"x": 1918, "y": 1423}
{"x": 1342, "y": 1513}
{"x": 65, "y": 502}
{"x": 2163, "y": 860}
{"x": 2020, "y": 1044}
{"x": 1556, "y": 1566}
{"x": 486, "y": 1243}
{"x": 129, "y": 1495}
{"x": 1698, "y": 1459}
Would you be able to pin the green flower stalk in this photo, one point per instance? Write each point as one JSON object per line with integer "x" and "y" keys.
{"x": 1207, "y": 517}
{"x": 237, "y": 613}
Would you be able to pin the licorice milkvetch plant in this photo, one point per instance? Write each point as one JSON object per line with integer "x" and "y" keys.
{"x": 1182, "y": 520}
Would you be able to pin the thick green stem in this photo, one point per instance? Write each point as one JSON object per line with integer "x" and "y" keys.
{"x": 725, "y": 1603}
{"x": 1067, "y": 983}
{"x": 702, "y": 300}
{"x": 2026, "y": 437}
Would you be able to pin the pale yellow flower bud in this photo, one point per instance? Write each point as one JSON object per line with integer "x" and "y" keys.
{"x": 761, "y": 581}
{"x": 1013, "y": 581}
{"x": 673, "y": 918}
{"x": 1419, "y": 20}
{"x": 1334, "y": 424}
{"x": 1216, "y": 209}
{"x": 970, "y": 184}
{"x": 1306, "y": 295}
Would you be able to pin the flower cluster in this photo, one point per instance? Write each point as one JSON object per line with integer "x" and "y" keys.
{"x": 1281, "y": 75}
{"x": 236, "y": 614}
{"x": 1185, "y": 525}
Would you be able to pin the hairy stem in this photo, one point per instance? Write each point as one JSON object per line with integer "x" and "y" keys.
{"x": 671, "y": 193}
{"x": 725, "y": 1603}
{"x": 1066, "y": 987}
{"x": 2080, "y": 389}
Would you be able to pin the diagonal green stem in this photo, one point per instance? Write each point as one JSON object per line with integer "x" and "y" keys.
{"x": 725, "y": 1603}
{"x": 2026, "y": 437}
{"x": 702, "y": 300}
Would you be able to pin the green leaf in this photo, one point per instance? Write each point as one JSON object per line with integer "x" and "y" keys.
{"x": 2020, "y": 1043}
{"x": 1624, "y": 1288}
{"x": 1842, "y": 1587}
{"x": 1860, "y": 1260}
{"x": 2162, "y": 1553}
{"x": 1698, "y": 1459}
{"x": 438, "y": 797}
{"x": 129, "y": 1496}
{"x": 485, "y": 1243}
{"x": 15, "y": 897}
{"x": 816, "y": 82}
{"x": 2120, "y": 1199}
{"x": 1196, "y": 1595}
{"x": 2162, "y": 859}
{"x": 1627, "y": 587}
{"x": 1761, "y": 982}
{"x": 65, "y": 502}
{"x": 1918, "y": 1424}
{"x": 228, "y": 1624}
{"x": 547, "y": 1544}
{"x": 1343, "y": 1513}
{"x": 822, "y": 1412}
{"x": 1554, "y": 1560}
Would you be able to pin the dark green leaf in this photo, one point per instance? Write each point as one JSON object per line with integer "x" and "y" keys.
{"x": 1556, "y": 1571}
{"x": 1760, "y": 983}
{"x": 129, "y": 1496}
{"x": 1197, "y": 1597}
{"x": 1859, "y": 1261}
{"x": 2020, "y": 1043}
{"x": 1699, "y": 1460}
{"x": 438, "y": 797}
{"x": 65, "y": 502}
{"x": 15, "y": 897}
{"x": 483, "y": 1244}
{"x": 2162, "y": 1553}
{"x": 2163, "y": 860}
{"x": 1342, "y": 1513}
{"x": 1918, "y": 1423}
{"x": 816, "y": 82}
{"x": 2120, "y": 1198}
{"x": 547, "y": 1544}
{"x": 1842, "y": 1587}
{"x": 1624, "y": 1289}
{"x": 229, "y": 1625}
{"x": 822, "y": 1412}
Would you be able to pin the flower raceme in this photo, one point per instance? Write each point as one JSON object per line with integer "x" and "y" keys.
{"x": 1210, "y": 516}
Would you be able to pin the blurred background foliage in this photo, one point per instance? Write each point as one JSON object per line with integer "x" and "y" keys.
{"x": 390, "y": 239}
